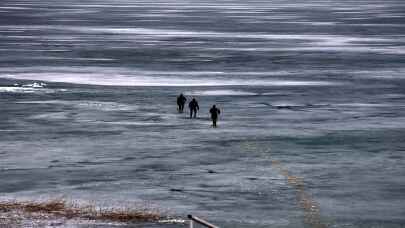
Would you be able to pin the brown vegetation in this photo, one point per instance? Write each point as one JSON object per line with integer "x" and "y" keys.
{"x": 62, "y": 209}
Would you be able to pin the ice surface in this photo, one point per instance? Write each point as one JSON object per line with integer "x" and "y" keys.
{"x": 311, "y": 96}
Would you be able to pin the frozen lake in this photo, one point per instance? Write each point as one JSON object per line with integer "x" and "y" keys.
{"x": 312, "y": 95}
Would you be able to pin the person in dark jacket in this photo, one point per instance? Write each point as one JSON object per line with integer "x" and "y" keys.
{"x": 193, "y": 106}
{"x": 181, "y": 100}
{"x": 214, "y": 115}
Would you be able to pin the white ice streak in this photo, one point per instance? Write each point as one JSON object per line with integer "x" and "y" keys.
{"x": 391, "y": 74}
{"x": 315, "y": 23}
{"x": 28, "y": 89}
{"x": 13, "y": 8}
{"x": 12, "y": 89}
{"x": 86, "y": 104}
{"x": 365, "y": 105}
{"x": 224, "y": 92}
{"x": 397, "y": 50}
{"x": 35, "y": 85}
{"x": 164, "y": 80}
{"x": 314, "y": 39}
{"x": 51, "y": 116}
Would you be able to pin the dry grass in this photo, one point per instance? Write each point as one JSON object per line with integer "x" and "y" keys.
{"x": 62, "y": 209}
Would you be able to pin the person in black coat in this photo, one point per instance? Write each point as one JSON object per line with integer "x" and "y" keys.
{"x": 181, "y": 100}
{"x": 214, "y": 115}
{"x": 193, "y": 106}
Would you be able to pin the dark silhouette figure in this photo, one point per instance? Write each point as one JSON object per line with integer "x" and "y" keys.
{"x": 214, "y": 115}
{"x": 181, "y": 100}
{"x": 193, "y": 105}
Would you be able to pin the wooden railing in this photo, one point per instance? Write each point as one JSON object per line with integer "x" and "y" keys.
{"x": 200, "y": 221}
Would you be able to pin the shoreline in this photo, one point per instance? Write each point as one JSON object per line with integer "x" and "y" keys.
{"x": 60, "y": 212}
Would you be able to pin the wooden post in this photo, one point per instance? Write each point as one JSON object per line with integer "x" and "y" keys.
{"x": 200, "y": 221}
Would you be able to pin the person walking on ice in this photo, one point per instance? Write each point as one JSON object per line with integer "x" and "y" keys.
{"x": 214, "y": 115}
{"x": 181, "y": 100}
{"x": 193, "y": 106}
